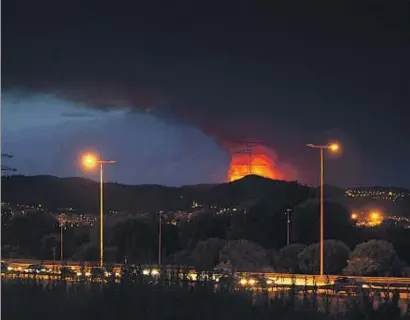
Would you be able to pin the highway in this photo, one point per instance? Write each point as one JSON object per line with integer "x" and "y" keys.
{"x": 276, "y": 284}
{"x": 281, "y": 279}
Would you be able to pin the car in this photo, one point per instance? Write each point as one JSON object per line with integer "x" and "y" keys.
{"x": 13, "y": 268}
{"x": 67, "y": 272}
{"x": 222, "y": 271}
{"x": 37, "y": 269}
{"x": 149, "y": 270}
{"x": 348, "y": 285}
{"x": 9, "y": 268}
{"x": 225, "y": 282}
{"x": 255, "y": 282}
{"x": 97, "y": 273}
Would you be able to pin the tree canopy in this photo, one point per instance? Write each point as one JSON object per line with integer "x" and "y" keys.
{"x": 336, "y": 254}
{"x": 373, "y": 258}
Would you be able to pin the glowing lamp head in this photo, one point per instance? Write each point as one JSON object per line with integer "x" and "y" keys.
{"x": 89, "y": 161}
{"x": 334, "y": 147}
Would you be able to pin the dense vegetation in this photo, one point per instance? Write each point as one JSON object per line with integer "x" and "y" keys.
{"x": 253, "y": 238}
{"x": 50, "y": 300}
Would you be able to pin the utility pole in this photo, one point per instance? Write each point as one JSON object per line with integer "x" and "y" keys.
{"x": 61, "y": 242}
{"x": 160, "y": 239}
{"x": 322, "y": 239}
{"x": 287, "y": 213}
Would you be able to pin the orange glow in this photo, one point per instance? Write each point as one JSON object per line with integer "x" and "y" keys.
{"x": 334, "y": 147}
{"x": 89, "y": 161}
{"x": 375, "y": 216}
{"x": 354, "y": 216}
{"x": 259, "y": 163}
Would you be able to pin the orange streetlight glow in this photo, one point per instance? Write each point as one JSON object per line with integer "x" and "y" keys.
{"x": 90, "y": 161}
{"x": 334, "y": 147}
{"x": 354, "y": 216}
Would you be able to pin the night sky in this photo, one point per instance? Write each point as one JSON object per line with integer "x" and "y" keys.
{"x": 166, "y": 87}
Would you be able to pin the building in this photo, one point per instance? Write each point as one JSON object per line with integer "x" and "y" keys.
{"x": 378, "y": 193}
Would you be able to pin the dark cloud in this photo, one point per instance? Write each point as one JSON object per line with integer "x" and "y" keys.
{"x": 283, "y": 72}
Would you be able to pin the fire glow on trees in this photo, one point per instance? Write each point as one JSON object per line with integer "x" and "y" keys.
{"x": 255, "y": 160}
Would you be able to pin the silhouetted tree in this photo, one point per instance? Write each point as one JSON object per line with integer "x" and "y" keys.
{"x": 337, "y": 223}
{"x": 202, "y": 227}
{"x": 135, "y": 239}
{"x": 286, "y": 260}
{"x": 206, "y": 253}
{"x": 28, "y": 231}
{"x": 336, "y": 254}
{"x": 244, "y": 255}
{"x": 373, "y": 258}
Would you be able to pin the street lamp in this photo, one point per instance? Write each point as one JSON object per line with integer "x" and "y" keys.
{"x": 61, "y": 241}
{"x": 334, "y": 147}
{"x": 287, "y": 213}
{"x": 160, "y": 239}
{"x": 90, "y": 161}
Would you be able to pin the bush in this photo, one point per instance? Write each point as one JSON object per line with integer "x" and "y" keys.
{"x": 21, "y": 299}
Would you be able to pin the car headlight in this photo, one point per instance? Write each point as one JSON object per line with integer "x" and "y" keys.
{"x": 87, "y": 274}
{"x": 145, "y": 272}
{"x": 243, "y": 282}
{"x": 251, "y": 282}
{"x": 269, "y": 281}
{"x": 78, "y": 274}
{"x": 117, "y": 274}
{"x": 10, "y": 268}
{"x": 365, "y": 286}
{"x": 26, "y": 270}
{"x": 154, "y": 272}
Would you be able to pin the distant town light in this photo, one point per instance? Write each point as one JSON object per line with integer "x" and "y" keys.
{"x": 354, "y": 216}
{"x": 375, "y": 216}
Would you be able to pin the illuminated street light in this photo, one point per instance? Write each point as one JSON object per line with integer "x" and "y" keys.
{"x": 90, "y": 161}
{"x": 332, "y": 147}
{"x": 62, "y": 225}
{"x": 354, "y": 216}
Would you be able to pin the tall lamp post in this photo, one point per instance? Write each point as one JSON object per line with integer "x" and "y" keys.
{"x": 160, "y": 239}
{"x": 61, "y": 241}
{"x": 91, "y": 161}
{"x": 332, "y": 147}
{"x": 287, "y": 213}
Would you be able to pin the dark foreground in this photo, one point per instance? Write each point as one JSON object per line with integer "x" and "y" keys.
{"x": 25, "y": 298}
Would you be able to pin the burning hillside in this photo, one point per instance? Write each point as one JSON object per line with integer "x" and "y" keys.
{"x": 254, "y": 159}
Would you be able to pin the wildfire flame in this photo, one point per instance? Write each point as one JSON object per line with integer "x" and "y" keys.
{"x": 261, "y": 164}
